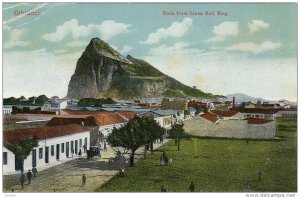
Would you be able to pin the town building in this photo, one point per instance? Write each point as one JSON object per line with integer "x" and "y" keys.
{"x": 268, "y": 114}
{"x": 287, "y": 113}
{"x": 175, "y": 104}
{"x": 166, "y": 118}
{"x": 56, "y": 144}
{"x": 7, "y": 109}
{"x": 55, "y": 105}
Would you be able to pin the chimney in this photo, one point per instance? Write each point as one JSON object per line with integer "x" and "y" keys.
{"x": 233, "y": 101}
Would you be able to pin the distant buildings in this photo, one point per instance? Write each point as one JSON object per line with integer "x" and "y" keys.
{"x": 175, "y": 104}
{"x": 7, "y": 109}
{"x": 55, "y": 105}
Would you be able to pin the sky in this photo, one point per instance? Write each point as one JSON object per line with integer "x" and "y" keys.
{"x": 221, "y": 48}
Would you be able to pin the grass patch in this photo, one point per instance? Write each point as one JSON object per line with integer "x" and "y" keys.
{"x": 218, "y": 165}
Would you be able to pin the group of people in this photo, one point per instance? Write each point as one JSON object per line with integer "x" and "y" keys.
{"x": 165, "y": 160}
{"x": 31, "y": 174}
{"x": 191, "y": 188}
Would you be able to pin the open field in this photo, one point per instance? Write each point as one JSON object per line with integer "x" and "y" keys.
{"x": 218, "y": 165}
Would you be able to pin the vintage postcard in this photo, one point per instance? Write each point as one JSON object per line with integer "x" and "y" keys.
{"x": 150, "y": 97}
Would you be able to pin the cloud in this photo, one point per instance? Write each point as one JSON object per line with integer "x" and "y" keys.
{"x": 126, "y": 49}
{"x": 224, "y": 30}
{"x": 180, "y": 47}
{"x": 253, "y": 47}
{"x": 107, "y": 29}
{"x": 15, "y": 39}
{"x": 76, "y": 44}
{"x": 172, "y": 57}
{"x": 257, "y": 25}
{"x": 176, "y": 30}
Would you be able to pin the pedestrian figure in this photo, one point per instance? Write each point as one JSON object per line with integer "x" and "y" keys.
{"x": 165, "y": 158}
{"x": 79, "y": 153}
{"x": 83, "y": 179}
{"x": 22, "y": 179}
{"x": 259, "y": 174}
{"x": 192, "y": 187}
{"x": 84, "y": 148}
{"x": 105, "y": 149}
{"x": 170, "y": 161}
{"x": 162, "y": 161}
{"x": 162, "y": 189}
{"x": 34, "y": 172}
{"x": 29, "y": 176}
{"x": 121, "y": 172}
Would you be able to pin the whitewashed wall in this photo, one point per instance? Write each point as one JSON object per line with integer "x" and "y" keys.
{"x": 40, "y": 162}
{"x": 230, "y": 129}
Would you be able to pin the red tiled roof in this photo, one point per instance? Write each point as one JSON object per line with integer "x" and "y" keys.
{"x": 224, "y": 113}
{"x": 105, "y": 119}
{"x": 12, "y": 120}
{"x": 100, "y": 119}
{"x": 78, "y": 119}
{"x": 195, "y": 104}
{"x": 209, "y": 116}
{"x": 126, "y": 114}
{"x": 257, "y": 121}
{"x": 46, "y": 132}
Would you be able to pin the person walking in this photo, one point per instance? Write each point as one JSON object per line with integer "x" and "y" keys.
{"x": 22, "y": 179}
{"x": 29, "y": 176}
{"x": 83, "y": 179}
{"x": 170, "y": 161}
{"x": 34, "y": 172}
{"x": 105, "y": 149}
{"x": 192, "y": 187}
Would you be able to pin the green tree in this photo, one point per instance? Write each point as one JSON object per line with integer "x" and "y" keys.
{"x": 200, "y": 109}
{"x": 41, "y": 99}
{"x": 136, "y": 133}
{"x": 22, "y": 148}
{"x": 177, "y": 133}
{"x": 10, "y": 101}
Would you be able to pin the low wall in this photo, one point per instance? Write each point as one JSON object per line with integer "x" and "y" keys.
{"x": 238, "y": 129}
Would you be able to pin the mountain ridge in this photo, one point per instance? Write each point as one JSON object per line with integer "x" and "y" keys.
{"x": 241, "y": 97}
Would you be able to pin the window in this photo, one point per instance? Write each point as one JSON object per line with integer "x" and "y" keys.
{"x": 257, "y": 116}
{"x": 40, "y": 153}
{"x": 4, "y": 158}
{"x": 62, "y": 147}
{"x": 52, "y": 150}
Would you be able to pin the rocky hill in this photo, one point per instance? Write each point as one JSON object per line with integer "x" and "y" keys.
{"x": 101, "y": 71}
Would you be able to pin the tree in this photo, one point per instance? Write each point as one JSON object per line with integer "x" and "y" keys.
{"x": 136, "y": 133}
{"x": 41, "y": 99}
{"x": 177, "y": 132}
{"x": 22, "y": 148}
{"x": 10, "y": 101}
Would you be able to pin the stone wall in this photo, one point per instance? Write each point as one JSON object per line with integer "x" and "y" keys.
{"x": 238, "y": 129}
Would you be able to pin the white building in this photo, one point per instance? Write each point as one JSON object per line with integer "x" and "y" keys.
{"x": 287, "y": 113}
{"x": 165, "y": 118}
{"x": 7, "y": 109}
{"x": 55, "y": 145}
{"x": 55, "y": 105}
